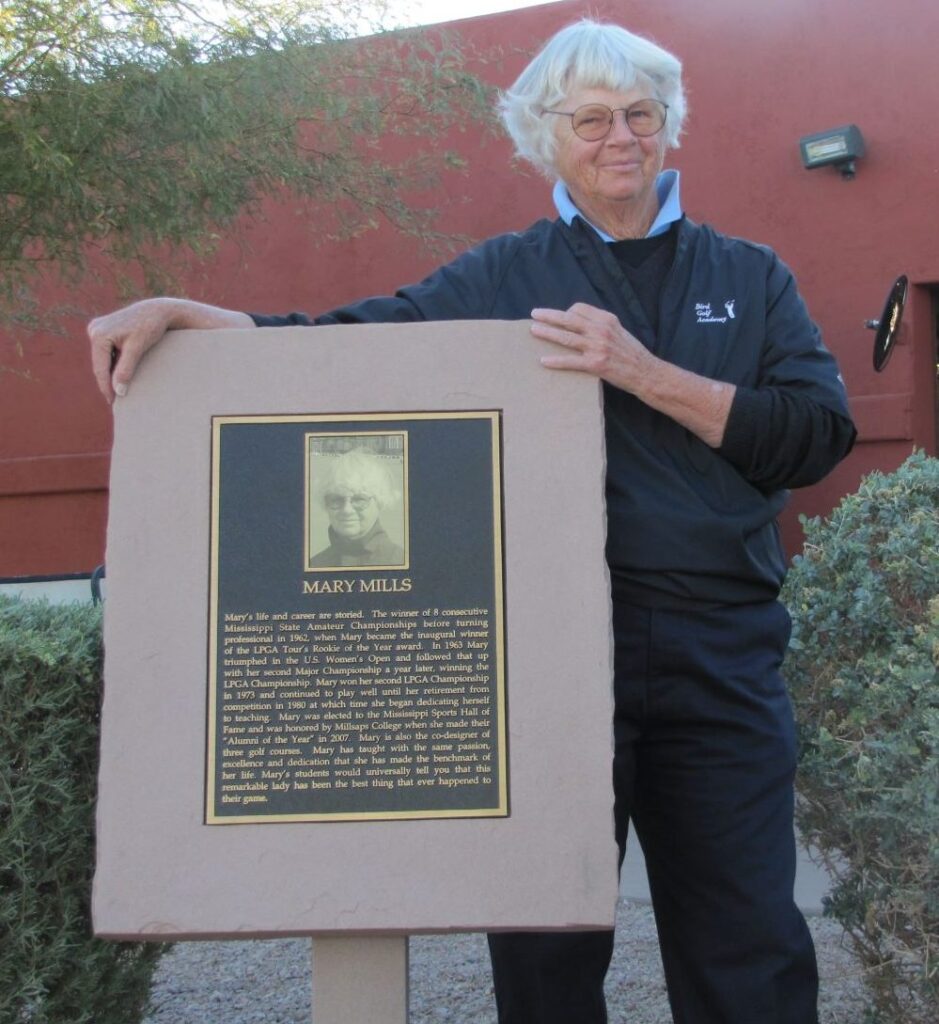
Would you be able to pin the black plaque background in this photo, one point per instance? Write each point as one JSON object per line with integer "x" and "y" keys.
{"x": 454, "y": 563}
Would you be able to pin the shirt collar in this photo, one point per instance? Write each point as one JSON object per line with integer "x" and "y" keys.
{"x": 368, "y": 543}
{"x": 667, "y": 191}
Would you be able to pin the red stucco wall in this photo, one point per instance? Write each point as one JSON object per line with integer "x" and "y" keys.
{"x": 759, "y": 77}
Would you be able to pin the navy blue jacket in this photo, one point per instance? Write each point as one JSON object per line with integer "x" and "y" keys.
{"x": 685, "y": 522}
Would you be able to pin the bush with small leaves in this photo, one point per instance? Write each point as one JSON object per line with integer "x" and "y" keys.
{"x": 52, "y": 969}
{"x": 863, "y": 667}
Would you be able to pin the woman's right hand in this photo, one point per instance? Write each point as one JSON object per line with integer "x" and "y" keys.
{"x": 120, "y": 339}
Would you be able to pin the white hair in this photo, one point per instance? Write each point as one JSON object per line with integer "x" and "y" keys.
{"x": 586, "y": 55}
{"x": 360, "y": 470}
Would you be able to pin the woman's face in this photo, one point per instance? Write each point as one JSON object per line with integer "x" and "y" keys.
{"x": 352, "y": 511}
{"x": 621, "y": 168}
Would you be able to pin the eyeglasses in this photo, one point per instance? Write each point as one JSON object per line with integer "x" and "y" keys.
{"x": 335, "y": 502}
{"x": 594, "y": 121}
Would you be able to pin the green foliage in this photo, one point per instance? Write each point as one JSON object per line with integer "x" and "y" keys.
{"x": 52, "y": 970}
{"x": 864, "y": 671}
{"x": 132, "y": 124}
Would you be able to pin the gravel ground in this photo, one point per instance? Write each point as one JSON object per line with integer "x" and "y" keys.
{"x": 268, "y": 982}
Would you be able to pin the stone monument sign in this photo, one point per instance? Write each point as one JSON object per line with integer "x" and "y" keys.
{"x": 358, "y": 657}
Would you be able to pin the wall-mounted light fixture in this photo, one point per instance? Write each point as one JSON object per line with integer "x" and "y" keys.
{"x": 838, "y": 146}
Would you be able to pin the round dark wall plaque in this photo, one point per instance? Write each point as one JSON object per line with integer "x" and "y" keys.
{"x": 889, "y": 325}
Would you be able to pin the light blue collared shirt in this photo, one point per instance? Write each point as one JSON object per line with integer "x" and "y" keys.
{"x": 666, "y": 188}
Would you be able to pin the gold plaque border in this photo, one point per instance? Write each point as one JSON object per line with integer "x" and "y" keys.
{"x": 494, "y": 416}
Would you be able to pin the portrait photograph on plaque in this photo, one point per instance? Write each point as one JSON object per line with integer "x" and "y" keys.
{"x": 357, "y": 501}
{"x": 357, "y": 638}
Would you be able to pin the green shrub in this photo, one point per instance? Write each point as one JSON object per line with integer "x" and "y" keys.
{"x": 52, "y": 970}
{"x": 864, "y": 672}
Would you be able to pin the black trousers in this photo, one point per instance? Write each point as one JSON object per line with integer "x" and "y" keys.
{"x": 703, "y": 768}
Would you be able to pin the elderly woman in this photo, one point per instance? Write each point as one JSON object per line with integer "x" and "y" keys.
{"x": 356, "y": 487}
{"x": 719, "y": 395}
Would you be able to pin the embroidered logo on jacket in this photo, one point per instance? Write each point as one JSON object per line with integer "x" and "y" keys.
{"x": 705, "y": 314}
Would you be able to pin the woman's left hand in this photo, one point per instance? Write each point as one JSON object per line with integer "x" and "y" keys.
{"x": 595, "y": 342}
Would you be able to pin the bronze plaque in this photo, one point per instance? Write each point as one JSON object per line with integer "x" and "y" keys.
{"x": 356, "y": 640}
